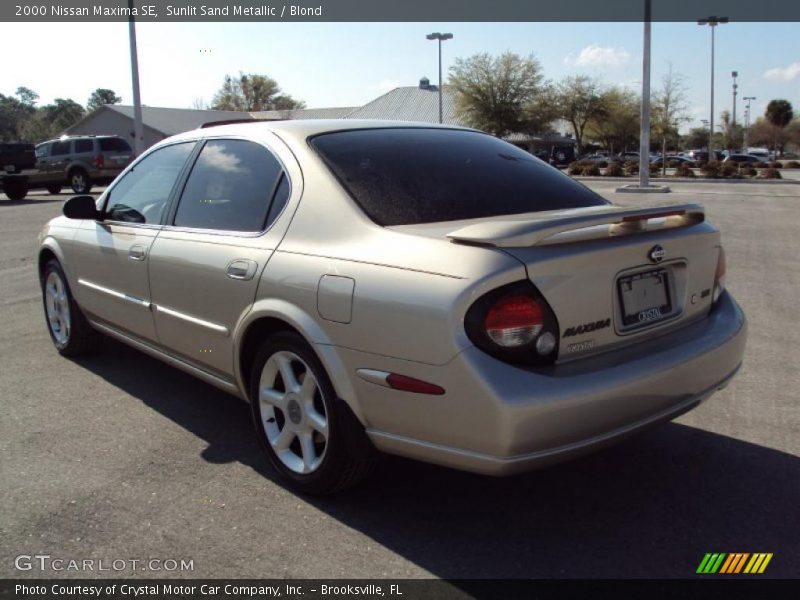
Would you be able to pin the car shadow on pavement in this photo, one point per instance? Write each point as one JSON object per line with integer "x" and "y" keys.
{"x": 649, "y": 507}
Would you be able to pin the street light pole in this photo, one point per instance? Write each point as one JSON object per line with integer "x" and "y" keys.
{"x": 712, "y": 22}
{"x": 441, "y": 37}
{"x": 644, "y": 136}
{"x": 734, "y": 74}
{"x": 747, "y": 122}
{"x": 138, "y": 133}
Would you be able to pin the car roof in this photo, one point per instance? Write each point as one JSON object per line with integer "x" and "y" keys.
{"x": 301, "y": 129}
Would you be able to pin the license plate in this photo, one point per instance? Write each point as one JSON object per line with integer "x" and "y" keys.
{"x": 644, "y": 297}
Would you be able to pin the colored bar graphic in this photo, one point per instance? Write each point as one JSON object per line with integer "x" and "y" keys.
{"x": 764, "y": 564}
{"x": 733, "y": 563}
{"x": 741, "y": 562}
{"x": 730, "y": 561}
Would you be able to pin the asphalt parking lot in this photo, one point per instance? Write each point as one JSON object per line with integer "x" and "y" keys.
{"x": 119, "y": 456}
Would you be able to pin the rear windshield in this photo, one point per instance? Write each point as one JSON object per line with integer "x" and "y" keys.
{"x": 415, "y": 175}
{"x": 114, "y": 145}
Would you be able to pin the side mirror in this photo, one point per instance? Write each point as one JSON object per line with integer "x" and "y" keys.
{"x": 81, "y": 207}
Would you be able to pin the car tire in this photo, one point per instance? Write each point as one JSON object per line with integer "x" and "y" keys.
{"x": 309, "y": 435}
{"x": 79, "y": 181}
{"x": 15, "y": 190}
{"x": 54, "y": 189}
{"x": 70, "y": 331}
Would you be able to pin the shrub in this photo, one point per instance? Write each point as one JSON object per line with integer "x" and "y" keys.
{"x": 591, "y": 170}
{"x": 710, "y": 169}
{"x": 655, "y": 169}
{"x": 673, "y": 163}
{"x": 574, "y": 168}
{"x": 614, "y": 170}
{"x": 602, "y": 164}
{"x": 774, "y": 164}
{"x": 748, "y": 171}
{"x": 729, "y": 170}
{"x": 759, "y": 165}
{"x": 792, "y": 164}
{"x": 683, "y": 170}
{"x": 631, "y": 168}
{"x": 770, "y": 173}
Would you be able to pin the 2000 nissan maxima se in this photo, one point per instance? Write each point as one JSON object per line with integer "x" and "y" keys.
{"x": 426, "y": 291}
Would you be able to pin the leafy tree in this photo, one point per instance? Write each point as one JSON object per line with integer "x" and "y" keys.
{"x": 252, "y": 93}
{"x": 669, "y": 110}
{"x": 100, "y": 97}
{"x": 13, "y": 113}
{"x": 696, "y": 138}
{"x": 579, "y": 99}
{"x": 27, "y": 96}
{"x": 779, "y": 113}
{"x": 501, "y": 94}
{"x": 618, "y": 127}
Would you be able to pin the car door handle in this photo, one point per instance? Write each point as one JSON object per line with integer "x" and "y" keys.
{"x": 241, "y": 268}
{"x": 137, "y": 252}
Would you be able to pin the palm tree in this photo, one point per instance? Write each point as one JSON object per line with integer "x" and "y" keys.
{"x": 780, "y": 114}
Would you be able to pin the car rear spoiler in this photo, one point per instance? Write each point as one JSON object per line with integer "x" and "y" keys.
{"x": 576, "y": 224}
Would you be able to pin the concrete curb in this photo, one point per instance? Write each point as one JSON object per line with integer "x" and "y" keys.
{"x": 689, "y": 180}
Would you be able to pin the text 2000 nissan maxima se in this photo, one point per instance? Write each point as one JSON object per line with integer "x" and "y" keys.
{"x": 425, "y": 291}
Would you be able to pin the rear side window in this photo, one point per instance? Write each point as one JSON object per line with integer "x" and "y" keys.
{"x": 114, "y": 145}
{"x": 415, "y": 175}
{"x": 60, "y": 148}
{"x": 83, "y": 146}
{"x": 230, "y": 187}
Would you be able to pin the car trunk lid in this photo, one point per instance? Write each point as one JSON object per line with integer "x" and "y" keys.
{"x": 612, "y": 275}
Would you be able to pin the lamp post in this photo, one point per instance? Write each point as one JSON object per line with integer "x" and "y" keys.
{"x": 138, "y": 134}
{"x": 747, "y": 122}
{"x": 712, "y": 22}
{"x": 734, "y": 75}
{"x": 441, "y": 37}
{"x": 644, "y": 134}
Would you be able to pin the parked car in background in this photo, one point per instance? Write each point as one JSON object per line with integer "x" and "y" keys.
{"x": 699, "y": 156}
{"x": 742, "y": 158}
{"x": 432, "y": 292}
{"x": 80, "y": 162}
{"x": 675, "y": 158}
{"x": 15, "y": 158}
{"x": 626, "y": 156}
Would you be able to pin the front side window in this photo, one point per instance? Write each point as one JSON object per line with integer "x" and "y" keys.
{"x": 230, "y": 187}
{"x": 403, "y": 176}
{"x": 43, "y": 150}
{"x": 141, "y": 195}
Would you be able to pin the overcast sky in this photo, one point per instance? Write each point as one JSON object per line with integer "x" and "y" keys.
{"x": 338, "y": 64}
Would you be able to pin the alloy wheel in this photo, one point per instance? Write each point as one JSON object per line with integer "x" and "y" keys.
{"x": 293, "y": 412}
{"x": 57, "y": 308}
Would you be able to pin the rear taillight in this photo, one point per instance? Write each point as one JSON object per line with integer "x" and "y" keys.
{"x": 514, "y": 321}
{"x": 100, "y": 161}
{"x": 515, "y": 324}
{"x": 719, "y": 276}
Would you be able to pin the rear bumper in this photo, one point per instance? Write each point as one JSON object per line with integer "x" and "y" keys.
{"x": 497, "y": 419}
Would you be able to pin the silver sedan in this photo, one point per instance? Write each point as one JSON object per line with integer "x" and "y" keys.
{"x": 426, "y": 291}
